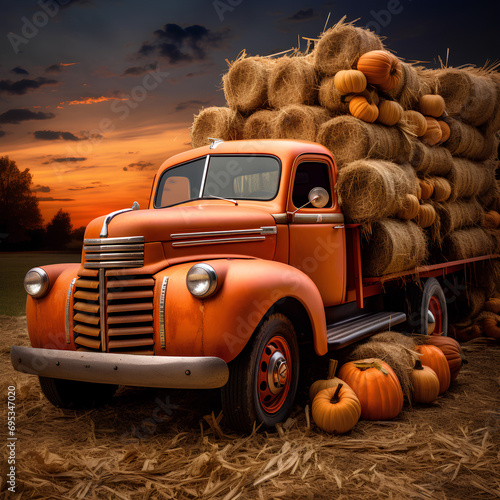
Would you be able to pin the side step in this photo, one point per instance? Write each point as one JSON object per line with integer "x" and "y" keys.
{"x": 351, "y": 330}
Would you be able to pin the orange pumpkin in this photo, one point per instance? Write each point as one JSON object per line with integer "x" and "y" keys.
{"x": 431, "y": 105}
{"x": 424, "y": 382}
{"x": 410, "y": 208}
{"x": 442, "y": 189}
{"x": 415, "y": 122}
{"x": 426, "y": 189}
{"x": 331, "y": 380}
{"x": 434, "y": 358}
{"x": 445, "y": 131}
{"x": 350, "y": 81}
{"x": 492, "y": 305}
{"x": 389, "y": 112}
{"x": 490, "y": 326}
{"x": 433, "y": 134}
{"x": 466, "y": 333}
{"x": 336, "y": 409}
{"x": 426, "y": 215}
{"x": 491, "y": 219}
{"x": 362, "y": 109}
{"x": 451, "y": 349}
{"x": 381, "y": 68}
{"x": 377, "y": 387}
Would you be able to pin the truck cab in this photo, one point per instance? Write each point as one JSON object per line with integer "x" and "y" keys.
{"x": 241, "y": 262}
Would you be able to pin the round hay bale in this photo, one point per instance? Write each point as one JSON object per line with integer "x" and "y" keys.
{"x": 245, "y": 83}
{"x": 454, "y": 85}
{"x": 442, "y": 189}
{"x": 394, "y": 338}
{"x": 341, "y": 46}
{"x": 413, "y": 186}
{"x": 458, "y": 215}
{"x": 350, "y": 139}
{"x": 468, "y": 178}
{"x": 491, "y": 198}
{"x": 427, "y": 160}
{"x": 393, "y": 246}
{"x": 467, "y": 141}
{"x": 329, "y": 97}
{"x": 408, "y": 91}
{"x": 217, "y": 122}
{"x": 292, "y": 80}
{"x": 370, "y": 190}
{"x": 428, "y": 80}
{"x": 298, "y": 122}
{"x": 400, "y": 358}
{"x": 259, "y": 125}
{"x": 494, "y": 124}
{"x": 467, "y": 243}
{"x": 482, "y": 98}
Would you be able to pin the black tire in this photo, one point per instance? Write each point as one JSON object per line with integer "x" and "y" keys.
{"x": 245, "y": 400}
{"x": 75, "y": 395}
{"x": 421, "y": 301}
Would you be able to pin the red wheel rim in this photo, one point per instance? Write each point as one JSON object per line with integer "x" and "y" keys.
{"x": 435, "y": 309}
{"x": 275, "y": 373}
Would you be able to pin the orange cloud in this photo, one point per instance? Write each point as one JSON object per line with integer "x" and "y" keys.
{"x": 94, "y": 100}
{"x": 68, "y": 64}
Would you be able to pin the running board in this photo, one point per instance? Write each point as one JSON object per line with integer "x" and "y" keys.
{"x": 352, "y": 330}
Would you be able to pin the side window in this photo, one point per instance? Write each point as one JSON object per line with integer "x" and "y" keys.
{"x": 309, "y": 175}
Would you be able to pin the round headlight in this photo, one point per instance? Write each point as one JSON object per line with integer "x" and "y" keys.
{"x": 36, "y": 282}
{"x": 201, "y": 280}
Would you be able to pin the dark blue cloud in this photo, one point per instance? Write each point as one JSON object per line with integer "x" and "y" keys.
{"x": 23, "y": 86}
{"x": 20, "y": 115}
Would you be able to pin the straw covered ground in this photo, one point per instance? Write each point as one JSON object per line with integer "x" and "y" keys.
{"x": 169, "y": 444}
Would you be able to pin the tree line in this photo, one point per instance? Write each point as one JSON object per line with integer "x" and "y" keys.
{"x": 21, "y": 222}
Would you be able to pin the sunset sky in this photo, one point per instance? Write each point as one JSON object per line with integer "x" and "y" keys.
{"x": 96, "y": 94}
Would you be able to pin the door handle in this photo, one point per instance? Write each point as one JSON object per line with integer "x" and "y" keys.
{"x": 341, "y": 226}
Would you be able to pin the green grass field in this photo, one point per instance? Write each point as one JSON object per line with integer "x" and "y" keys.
{"x": 13, "y": 267}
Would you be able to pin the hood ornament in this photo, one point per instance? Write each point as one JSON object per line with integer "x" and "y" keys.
{"x": 107, "y": 220}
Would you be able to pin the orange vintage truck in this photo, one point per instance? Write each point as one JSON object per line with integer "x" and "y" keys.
{"x": 241, "y": 263}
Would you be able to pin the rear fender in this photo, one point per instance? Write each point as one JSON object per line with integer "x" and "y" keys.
{"x": 222, "y": 324}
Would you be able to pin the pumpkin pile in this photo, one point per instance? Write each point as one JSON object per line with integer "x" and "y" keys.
{"x": 370, "y": 389}
{"x": 416, "y": 148}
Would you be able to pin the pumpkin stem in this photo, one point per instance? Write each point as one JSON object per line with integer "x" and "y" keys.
{"x": 335, "y": 398}
{"x": 371, "y": 363}
{"x": 418, "y": 365}
{"x": 332, "y": 368}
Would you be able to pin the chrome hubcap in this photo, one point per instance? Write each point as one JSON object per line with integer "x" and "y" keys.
{"x": 277, "y": 372}
{"x": 431, "y": 323}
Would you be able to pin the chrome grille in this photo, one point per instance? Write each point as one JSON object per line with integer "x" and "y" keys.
{"x": 114, "y": 313}
{"x": 109, "y": 253}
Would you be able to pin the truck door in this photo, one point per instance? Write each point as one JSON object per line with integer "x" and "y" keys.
{"x": 317, "y": 235}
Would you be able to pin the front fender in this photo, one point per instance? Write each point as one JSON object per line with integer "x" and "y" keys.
{"x": 222, "y": 324}
{"x": 46, "y": 317}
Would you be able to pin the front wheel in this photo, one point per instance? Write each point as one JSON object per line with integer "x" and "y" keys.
{"x": 263, "y": 379}
{"x": 76, "y": 395}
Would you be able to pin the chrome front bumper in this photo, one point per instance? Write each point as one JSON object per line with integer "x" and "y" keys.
{"x": 172, "y": 372}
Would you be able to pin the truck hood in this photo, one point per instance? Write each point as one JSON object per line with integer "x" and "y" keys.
{"x": 209, "y": 230}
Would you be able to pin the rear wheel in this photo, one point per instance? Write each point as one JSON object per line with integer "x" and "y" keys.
{"x": 76, "y": 395}
{"x": 263, "y": 379}
{"x": 430, "y": 299}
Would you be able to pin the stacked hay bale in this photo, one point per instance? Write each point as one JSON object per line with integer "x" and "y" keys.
{"x": 415, "y": 150}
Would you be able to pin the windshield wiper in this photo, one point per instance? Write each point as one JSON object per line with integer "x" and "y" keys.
{"x": 225, "y": 199}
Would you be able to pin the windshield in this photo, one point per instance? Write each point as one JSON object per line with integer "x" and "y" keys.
{"x": 235, "y": 177}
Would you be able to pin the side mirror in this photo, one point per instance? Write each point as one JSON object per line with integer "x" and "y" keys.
{"x": 318, "y": 197}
